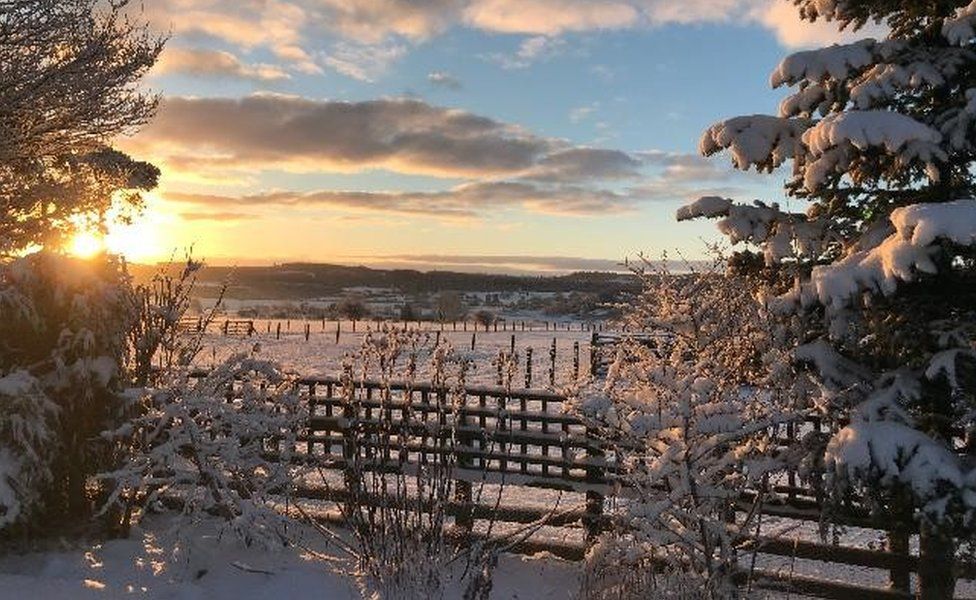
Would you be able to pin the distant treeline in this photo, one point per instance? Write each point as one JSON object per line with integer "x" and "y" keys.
{"x": 302, "y": 281}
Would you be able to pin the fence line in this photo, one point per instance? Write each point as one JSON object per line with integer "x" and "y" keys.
{"x": 525, "y": 437}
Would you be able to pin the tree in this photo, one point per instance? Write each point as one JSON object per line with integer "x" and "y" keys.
{"x": 450, "y": 306}
{"x": 880, "y": 135}
{"x": 484, "y": 318}
{"x": 69, "y": 74}
{"x": 352, "y": 307}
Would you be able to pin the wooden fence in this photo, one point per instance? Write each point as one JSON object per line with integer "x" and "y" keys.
{"x": 525, "y": 438}
{"x": 238, "y": 328}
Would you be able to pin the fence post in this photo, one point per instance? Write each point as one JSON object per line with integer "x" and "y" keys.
{"x": 593, "y": 356}
{"x": 528, "y": 367}
{"x": 576, "y": 360}
{"x": 592, "y": 520}
{"x": 472, "y": 341}
{"x": 513, "y": 345}
{"x": 552, "y": 363}
{"x": 307, "y": 331}
{"x": 226, "y": 325}
{"x": 278, "y": 331}
{"x": 338, "y": 330}
{"x": 462, "y": 488}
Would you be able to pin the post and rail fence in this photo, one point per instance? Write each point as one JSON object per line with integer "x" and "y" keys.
{"x": 529, "y": 438}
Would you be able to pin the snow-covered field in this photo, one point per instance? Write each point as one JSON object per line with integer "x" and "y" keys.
{"x": 147, "y": 565}
{"x": 321, "y": 355}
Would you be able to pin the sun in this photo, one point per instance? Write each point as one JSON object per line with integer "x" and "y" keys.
{"x": 86, "y": 244}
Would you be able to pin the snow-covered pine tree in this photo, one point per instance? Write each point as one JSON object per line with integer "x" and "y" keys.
{"x": 880, "y": 136}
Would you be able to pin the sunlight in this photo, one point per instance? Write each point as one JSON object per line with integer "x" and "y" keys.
{"x": 85, "y": 244}
{"x": 138, "y": 241}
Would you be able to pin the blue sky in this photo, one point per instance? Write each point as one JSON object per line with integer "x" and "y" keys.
{"x": 411, "y": 132}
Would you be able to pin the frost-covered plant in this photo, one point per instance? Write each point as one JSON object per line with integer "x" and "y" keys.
{"x": 63, "y": 323}
{"x": 221, "y": 445}
{"x": 692, "y": 411}
{"x": 158, "y": 343}
{"x": 880, "y": 136}
{"x": 401, "y": 472}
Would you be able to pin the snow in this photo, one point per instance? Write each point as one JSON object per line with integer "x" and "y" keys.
{"x": 865, "y": 128}
{"x": 893, "y": 453}
{"x": 837, "y": 62}
{"x": 899, "y": 257}
{"x": 959, "y": 29}
{"x": 706, "y": 206}
{"x": 17, "y": 383}
{"x": 321, "y": 355}
{"x": 883, "y": 82}
{"x": 760, "y": 140}
{"x": 153, "y": 565}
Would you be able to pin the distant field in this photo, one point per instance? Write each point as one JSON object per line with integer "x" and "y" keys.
{"x": 321, "y": 355}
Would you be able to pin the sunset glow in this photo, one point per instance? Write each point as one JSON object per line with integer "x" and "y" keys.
{"x": 557, "y": 132}
{"x": 86, "y": 244}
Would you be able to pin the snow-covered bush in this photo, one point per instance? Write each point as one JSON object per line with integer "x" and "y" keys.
{"x": 63, "y": 325}
{"x": 692, "y": 412}
{"x": 400, "y": 474}
{"x": 220, "y": 445}
{"x": 158, "y": 343}
{"x": 880, "y": 135}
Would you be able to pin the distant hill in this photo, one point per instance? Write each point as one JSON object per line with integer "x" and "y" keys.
{"x": 296, "y": 281}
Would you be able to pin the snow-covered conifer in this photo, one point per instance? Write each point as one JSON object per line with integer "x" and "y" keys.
{"x": 880, "y": 134}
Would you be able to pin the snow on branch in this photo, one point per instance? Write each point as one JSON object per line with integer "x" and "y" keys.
{"x": 836, "y": 62}
{"x": 959, "y": 29}
{"x": 706, "y": 206}
{"x": 834, "y": 141}
{"x": 865, "y": 128}
{"x": 760, "y": 140}
{"x": 781, "y": 234}
{"x": 884, "y": 81}
{"x": 888, "y": 453}
{"x": 899, "y": 257}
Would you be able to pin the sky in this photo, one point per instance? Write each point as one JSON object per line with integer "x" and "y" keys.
{"x": 468, "y": 134}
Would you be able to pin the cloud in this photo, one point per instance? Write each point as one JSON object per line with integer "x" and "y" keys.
{"x": 444, "y": 79}
{"x": 493, "y": 262}
{"x": 215, "y": 63}
{"x": 782, "y": 18}
{"x": 267, "y": 131}
{"x": 372, "y": 21}
{"x": 219, "y": 216}
{"x": 531, "y": 50}
{"x": 679, "y": 167}
{"x": 465, "y": 201}
{"x": 276, "y": 25}
{"x": 362, "y": 38}
{"x": 582, "y": 163}
{"x": 582, "y": 113}
{"x": 361, "y": 61}
{"x": 549, "y": 17}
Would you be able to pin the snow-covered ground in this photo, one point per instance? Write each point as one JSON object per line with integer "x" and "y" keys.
{"x": 149, "y": 565}
{"x": 321, "y": 355}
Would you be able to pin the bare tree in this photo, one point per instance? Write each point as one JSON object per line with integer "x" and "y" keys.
{"x": 69, "y": 75}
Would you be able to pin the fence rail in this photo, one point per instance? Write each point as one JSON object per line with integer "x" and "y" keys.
{"x": 527, "y": 438}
